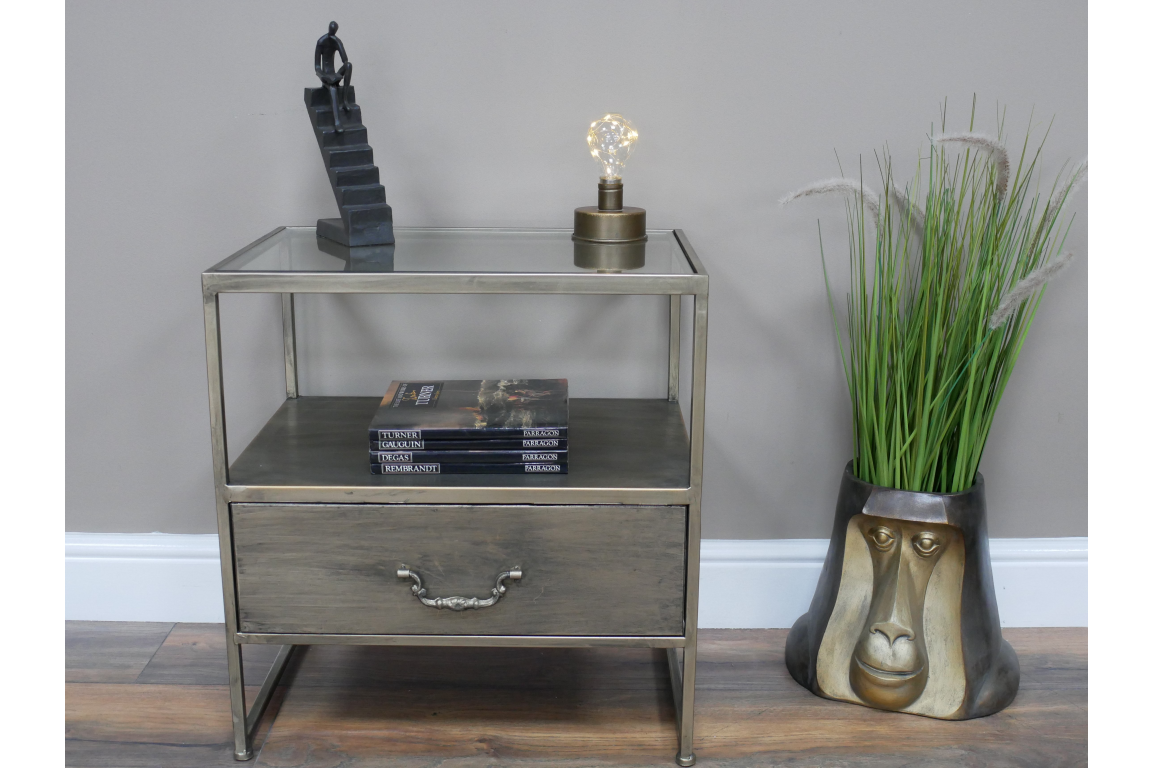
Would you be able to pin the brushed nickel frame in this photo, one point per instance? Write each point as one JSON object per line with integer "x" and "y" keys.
{"x": 219, "y": 279}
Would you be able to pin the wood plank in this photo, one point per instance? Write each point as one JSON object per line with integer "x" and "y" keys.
{"x": 364, "y": 725}
{"x": 81, "y": 753}
{"x": 194, "y": 654}
{"x": 110, "y": 651}
{"x": 174, "y": 711}
{"x": 588, "y": 570}
{"x": 372, "y": 703}
{"x": 186, "y": 714}
{"x": 613, "y": 443}
{"x": 176, "y": 726}
{"x": 1051, "y": 660}
{"x": 748, "y": 707}
{"x": 395, "y": 707}
{"x": 372, "y": 706}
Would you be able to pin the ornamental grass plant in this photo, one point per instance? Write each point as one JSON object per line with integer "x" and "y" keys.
{"x": 947, "y": 273}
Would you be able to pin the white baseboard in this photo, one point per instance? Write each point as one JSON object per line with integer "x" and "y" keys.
{"x": 142, "y": 577}
{"x": 769, "y": 583}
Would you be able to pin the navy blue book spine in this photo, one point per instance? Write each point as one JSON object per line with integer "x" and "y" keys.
{"x": 468, "y": 457}
{"x": 487, "y": 433}
{"x": 518, "y": 444}
{"x": 440, "y": 468}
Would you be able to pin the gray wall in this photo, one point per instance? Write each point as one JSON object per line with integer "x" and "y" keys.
{"x": 187, "y": 138}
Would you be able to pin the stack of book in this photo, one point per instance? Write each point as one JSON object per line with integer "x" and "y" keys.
{"x": 496, "y": 426}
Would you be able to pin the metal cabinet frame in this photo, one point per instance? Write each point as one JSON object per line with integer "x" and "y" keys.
{"x": 218, "y": 279}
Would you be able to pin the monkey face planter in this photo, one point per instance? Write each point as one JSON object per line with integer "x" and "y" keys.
{"x": 904, "y": 616}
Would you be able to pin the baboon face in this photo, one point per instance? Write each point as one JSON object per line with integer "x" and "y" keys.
{"x": 904, "y": 616}
{"x": 893, "y": 638}
{"x": 889, "y": 667}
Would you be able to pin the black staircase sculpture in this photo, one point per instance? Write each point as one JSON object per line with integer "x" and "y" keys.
{"x": 365, "y": 217}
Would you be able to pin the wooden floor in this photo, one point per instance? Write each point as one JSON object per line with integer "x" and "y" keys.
{"x": 156, "y": 695}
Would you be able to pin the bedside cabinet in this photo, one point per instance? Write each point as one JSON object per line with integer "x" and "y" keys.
{"x": 316, "y": 550}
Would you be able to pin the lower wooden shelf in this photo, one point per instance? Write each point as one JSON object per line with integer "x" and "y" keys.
{"x": 315, "y": 449}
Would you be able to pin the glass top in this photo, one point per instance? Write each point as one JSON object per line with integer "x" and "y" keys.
{"x": 297, "y": 249}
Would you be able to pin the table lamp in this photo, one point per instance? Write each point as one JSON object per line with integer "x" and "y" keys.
{"x": 611, "y": 140}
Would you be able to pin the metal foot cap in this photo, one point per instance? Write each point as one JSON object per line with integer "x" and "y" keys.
{"x": 686, "y": 761}
{"x": 247, "y": 755}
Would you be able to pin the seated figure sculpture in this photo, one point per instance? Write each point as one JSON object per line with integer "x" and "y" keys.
{"x": 326, "y": 49}
{"x": 365, "y": 216}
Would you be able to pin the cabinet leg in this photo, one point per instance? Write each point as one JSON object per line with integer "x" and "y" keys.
{"x": 243, "y": 745}
{"x": 687, "y": 707}
{"x": 245, "y": 728}
{"x": 683, "y": 694}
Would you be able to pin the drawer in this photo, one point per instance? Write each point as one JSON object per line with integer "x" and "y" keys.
{"x": 587, "y": 570}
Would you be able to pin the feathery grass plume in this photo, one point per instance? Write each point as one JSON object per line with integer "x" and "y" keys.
{"x": 1061, "y": 196}
{"x": 935, "y": 323}
{"x": 840, "y": 186}
{"x": 1077, "y": 177}
{"x": 909, "y": 207}
{"x": 1025, "y": 287}
{"x": 979, "y": 141}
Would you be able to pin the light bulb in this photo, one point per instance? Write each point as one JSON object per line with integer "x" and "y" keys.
{"x": 610, "y": 224}
{"x": 611, "y": 139}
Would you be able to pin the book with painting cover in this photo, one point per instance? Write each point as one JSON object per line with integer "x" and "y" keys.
{"x": 472, "y": 409}
{"x": 468, "y": 457}
{"x": 442, "y": 468}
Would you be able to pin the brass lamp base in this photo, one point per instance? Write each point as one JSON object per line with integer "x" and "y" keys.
{"x": 610, "y": 221}
{"x": 608, "y": 256}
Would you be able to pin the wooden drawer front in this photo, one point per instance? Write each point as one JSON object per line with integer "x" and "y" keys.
{"x": 587, "y": 570}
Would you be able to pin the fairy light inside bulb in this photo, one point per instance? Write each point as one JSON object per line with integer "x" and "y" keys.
{"x": 610, "y": 224}
{"x": 611, "y": 140}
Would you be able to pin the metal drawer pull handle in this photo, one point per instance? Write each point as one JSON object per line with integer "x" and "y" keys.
{"x": 459, "y": 603}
